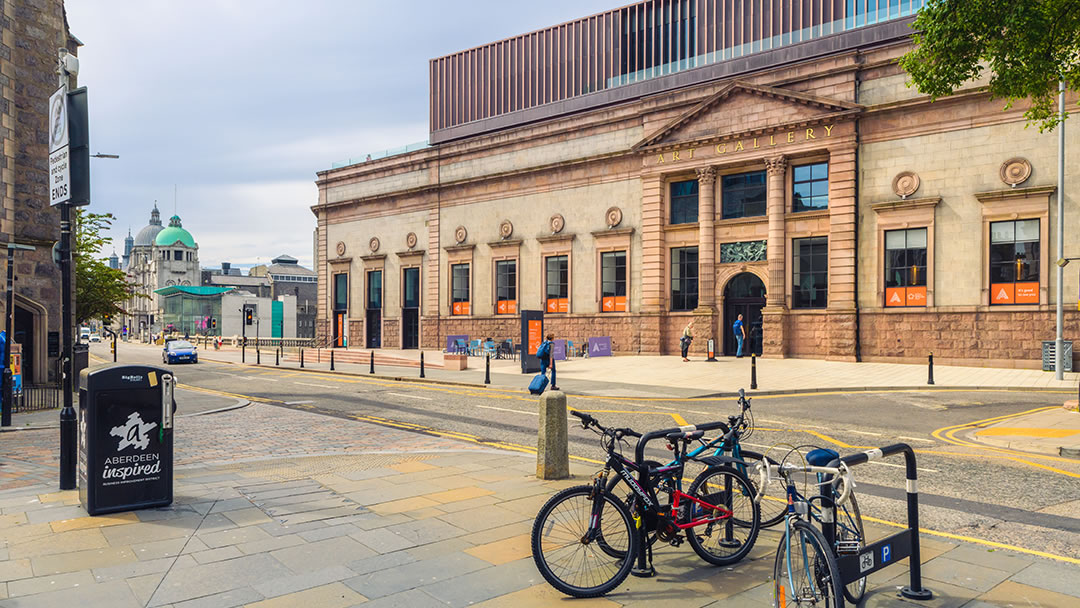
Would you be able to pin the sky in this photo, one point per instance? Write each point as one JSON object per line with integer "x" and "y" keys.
{"x": 234, "y": 106}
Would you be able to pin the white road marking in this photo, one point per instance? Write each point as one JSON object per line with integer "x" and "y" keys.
{"x": 801, "y": 424}
{"x": 297, "y": 402}
{"x": 411, "y": 396}
{"x": 318, "y": 385}
{"x": 915, "y": 439}
{"x": 503, "y": 409}
{"x": 862, "y": 432}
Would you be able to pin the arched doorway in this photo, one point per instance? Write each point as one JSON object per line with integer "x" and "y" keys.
{"x": 744, "y": 294}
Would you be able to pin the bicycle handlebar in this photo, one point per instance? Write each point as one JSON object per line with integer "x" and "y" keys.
{"x": 639, "y": 450}
{"x": 587, "y": 421}
{"x": 839, "y": 473}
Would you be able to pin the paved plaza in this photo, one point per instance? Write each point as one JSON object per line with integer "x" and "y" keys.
{"x": 281, "y": 507}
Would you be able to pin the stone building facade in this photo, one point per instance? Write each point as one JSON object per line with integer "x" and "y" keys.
{"x": 160, "y": 256}
{"x": 800, "y": 183}
{"x": 31, "y": 32}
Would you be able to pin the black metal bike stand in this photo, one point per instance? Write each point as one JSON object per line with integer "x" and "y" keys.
{"x": 889, "y": 550}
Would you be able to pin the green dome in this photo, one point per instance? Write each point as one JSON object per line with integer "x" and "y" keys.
{"x": 175, "y": 232}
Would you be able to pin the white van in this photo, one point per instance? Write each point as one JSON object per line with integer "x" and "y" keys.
{"x": 84, "y": 334}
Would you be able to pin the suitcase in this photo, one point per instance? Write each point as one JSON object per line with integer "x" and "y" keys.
{"x": 538, "y": 384}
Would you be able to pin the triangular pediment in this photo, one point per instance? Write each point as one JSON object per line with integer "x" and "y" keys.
{"x": 741, "y": 108}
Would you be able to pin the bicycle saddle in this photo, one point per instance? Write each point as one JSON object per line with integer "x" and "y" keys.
{"x": 677, "y": 435}
{"x": 821, "y": 457}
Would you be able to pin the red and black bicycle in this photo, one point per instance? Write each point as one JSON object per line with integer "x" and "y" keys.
{"x": 586, "y": 540}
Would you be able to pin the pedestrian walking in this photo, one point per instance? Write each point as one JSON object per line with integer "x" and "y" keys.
{"x": 740, "y": 336}
{"x": 686, "y": 339}
{"x": 543, "y": 352}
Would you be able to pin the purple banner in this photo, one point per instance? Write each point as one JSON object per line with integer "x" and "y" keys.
{"x": 600, "y": 347}
{"x": 558, "y": 350}
{"x": 452, "y": 343}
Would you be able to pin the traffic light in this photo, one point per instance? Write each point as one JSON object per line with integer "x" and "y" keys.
{"x": 213, "y": 323}
{"x": 249, "y": 316}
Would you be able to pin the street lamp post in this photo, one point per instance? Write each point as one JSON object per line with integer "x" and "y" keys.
{"x": 8, "y": 391}
{"x": 1059, "y": 341}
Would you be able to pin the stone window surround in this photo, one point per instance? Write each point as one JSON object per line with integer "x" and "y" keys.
{"x": 409, "y": 259}
{"x": 614, "y": 239}
{"x": 559, "y": 244}
{"x": 502, "y": 251}
{"x": 789, "y": 270}
{"x": 371, "y": 263}
{"x": 1017, "y": 204}
{"x": 902, "y": 215}
{"x": 459, "y": 254}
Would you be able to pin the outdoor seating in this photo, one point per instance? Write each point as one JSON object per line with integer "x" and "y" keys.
{"x": 460, "y": 347}
{"x": 474, "y": 347}
{"x": 491, "y": 348}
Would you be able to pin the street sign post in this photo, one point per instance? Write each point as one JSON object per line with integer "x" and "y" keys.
{"x": 59, "y": 161}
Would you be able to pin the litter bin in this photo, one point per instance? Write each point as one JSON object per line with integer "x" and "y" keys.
{"x": 125, "y": 438}
{"x": 80, "y": 358}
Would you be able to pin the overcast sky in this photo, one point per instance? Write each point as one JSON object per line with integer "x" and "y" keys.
{"x": 238, "y": 104}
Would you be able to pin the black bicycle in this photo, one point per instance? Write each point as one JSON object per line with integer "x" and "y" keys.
{"x": 586, "y": 540}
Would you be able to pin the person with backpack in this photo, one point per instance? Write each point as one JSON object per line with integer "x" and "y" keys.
{"x": 686, "y": 339}
{"x": 543, "y": 352}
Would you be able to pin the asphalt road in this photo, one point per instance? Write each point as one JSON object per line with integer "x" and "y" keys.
{"x": 996, "y": 496}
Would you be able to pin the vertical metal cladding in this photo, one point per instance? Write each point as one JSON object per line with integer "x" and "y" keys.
{"x": 629, "y": 44}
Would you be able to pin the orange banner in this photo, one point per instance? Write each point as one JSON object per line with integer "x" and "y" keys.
{"x": 614, "y": 303}
{"x": 536, "y": 328}
{"x": 1027, "y": 293}
{"x": 916, "y": 296}
{"x": 905, "y": 296}
{"x": 1002, "y": 293}
{"x": 506, "y": 307}
{"x": 460, "y": 308}
{"x": 558, "y": 305}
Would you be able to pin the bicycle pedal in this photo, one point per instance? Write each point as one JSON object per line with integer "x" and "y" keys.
{"x": 848, "y": 547}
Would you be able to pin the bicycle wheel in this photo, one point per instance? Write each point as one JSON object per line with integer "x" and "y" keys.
{"x": 805, "y": 572}
{"x": 773, "y": 508}
{"x": 567, "y": 559}
{"x": 730, "y": 539}
{"x": 850, "y": 539}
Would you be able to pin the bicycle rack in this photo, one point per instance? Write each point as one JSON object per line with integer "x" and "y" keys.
{"x": 889, "y": 550}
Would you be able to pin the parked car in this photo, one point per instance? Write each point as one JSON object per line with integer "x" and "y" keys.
{"x": 179, "y": 351}
{"x": 95, "y": 337}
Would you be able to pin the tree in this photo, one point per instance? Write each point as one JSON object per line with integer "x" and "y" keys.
{"x": 100, "y": 291}
{"x": 1027, "y": 45}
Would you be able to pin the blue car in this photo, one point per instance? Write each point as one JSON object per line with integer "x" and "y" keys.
{"x": 179, "y": 351}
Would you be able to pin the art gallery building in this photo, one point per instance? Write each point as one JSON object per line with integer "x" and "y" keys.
{"x": 681, "y": 160}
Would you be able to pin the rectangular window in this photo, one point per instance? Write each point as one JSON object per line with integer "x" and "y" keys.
{"x": 684, "y": 278}
{"x": 178, "y": 255}
{"x": 743, "y": 194}
{"x": 905, "y": 267}
{"x": 684, "y": 202}
{"x": 459, "y": 290}
{"x": 412, "y": 288}
{"x": 557, "y": 278}
{"x": 506, "y": 287}
{"x": 810, "y": 272}
{"x": 810, "y": 187}
{"x": 341, "y": 292}
{"x": 1014, "y": 262}
{"x": 374, "y": 289}
{"x": 613, "y": 281}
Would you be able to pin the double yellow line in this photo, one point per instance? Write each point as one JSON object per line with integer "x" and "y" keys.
{"x": 948, "y": 435}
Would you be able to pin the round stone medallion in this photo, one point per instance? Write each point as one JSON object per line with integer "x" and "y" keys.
{"x": 410, "y": 240}
{"x": 373, "y": 244}
{"x": 506, "y": 229}
{"x": 905, "y": 183}
{"x": 460, "y": 234}
{"x": 613, "y": 216}
{"x": 1015, "y": 171}
{"x": 340, "y": 248}
{"x": 557, "y": 223}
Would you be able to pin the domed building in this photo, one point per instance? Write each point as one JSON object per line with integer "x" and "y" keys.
{"x": 160, "y": 256}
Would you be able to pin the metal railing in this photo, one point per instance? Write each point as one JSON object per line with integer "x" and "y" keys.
{"x": 35, "y": 397}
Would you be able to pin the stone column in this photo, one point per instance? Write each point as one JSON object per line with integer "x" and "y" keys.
{"x": 773, "y": 315}
{"x": 705, "y": 313}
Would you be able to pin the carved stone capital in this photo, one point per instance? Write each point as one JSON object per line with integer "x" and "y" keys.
{"x": 776, "y": 165}
{"x": 706, "y": 175}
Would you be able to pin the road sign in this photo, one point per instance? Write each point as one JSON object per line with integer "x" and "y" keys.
{"x": 59, "y": 160}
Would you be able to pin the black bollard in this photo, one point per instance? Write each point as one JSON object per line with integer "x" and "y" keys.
{"x": 554, "y": 386}
{"x": 753, "y": 371}
{"x": 331, "y": 360}
{"x": 421, "y": 364}
{"x": 277, "y": 357}
{"x": 372, "y": 370}
{"x": 301, "y": 358}
{"x": 487, "y": 369}
{"x": 114, "y": 348}
{"x": 258, "y": 355}
{"x": 930, "y": 368}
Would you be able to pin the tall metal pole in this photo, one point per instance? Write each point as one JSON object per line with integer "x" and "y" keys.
{"x": 8, "y": 381}
{"x": 68, "y": 421}
{"x": 1059, "y": 342}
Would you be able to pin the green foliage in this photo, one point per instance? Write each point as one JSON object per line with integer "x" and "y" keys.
{"x": 1027, "y": 45}
{"x": 100, "y": 291}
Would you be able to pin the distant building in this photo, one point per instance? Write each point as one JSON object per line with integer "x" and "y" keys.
{"x": 114, "y": 261}
{"x": 219, "y": 311}
{"x": 160, "y": 257}
{"x": 288, "y": 277}
{"x": 31, "y": 31}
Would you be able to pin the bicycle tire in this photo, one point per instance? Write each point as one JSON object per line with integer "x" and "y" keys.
{"x": 773, "y": 509}
{"x": 853, "y": 591}
{"x": 548, "y": 555}
{"x": 818, "y": 576}
{"x": 729, "y": 540}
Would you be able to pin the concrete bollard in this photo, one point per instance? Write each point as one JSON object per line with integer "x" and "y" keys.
{"x": 552, "y": 451}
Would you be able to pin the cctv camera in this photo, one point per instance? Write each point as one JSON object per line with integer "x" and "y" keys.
{"x": 69, "y": 63}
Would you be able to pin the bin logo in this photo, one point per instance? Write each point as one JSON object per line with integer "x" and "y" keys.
{"x": 134, "y": 433}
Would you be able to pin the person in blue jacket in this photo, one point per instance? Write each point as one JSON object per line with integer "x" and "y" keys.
{"x": 543, "y": 352}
